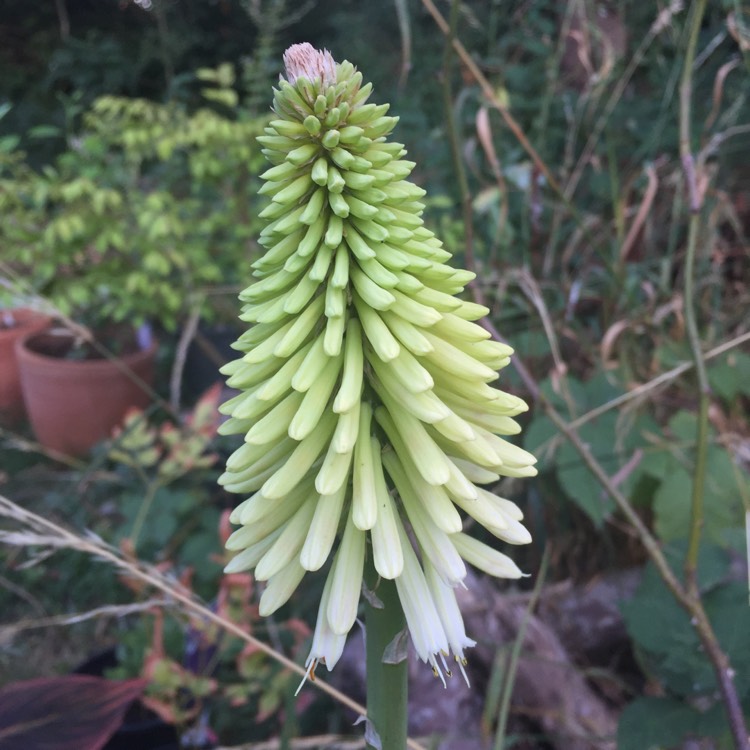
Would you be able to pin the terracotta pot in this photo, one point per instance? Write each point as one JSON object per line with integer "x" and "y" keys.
{"x": 74, "y": 404}
{"x": 11, "y": 398}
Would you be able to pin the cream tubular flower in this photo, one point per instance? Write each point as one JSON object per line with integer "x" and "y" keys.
{"x": 422, "y": 618}
{"x": 450, "y": 617}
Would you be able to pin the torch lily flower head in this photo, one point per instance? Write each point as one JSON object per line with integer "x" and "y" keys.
{"x": 365, "y": 403}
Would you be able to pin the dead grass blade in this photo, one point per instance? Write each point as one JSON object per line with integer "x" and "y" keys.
{"x": 8, "y": 632}
{"x": 641, "y": 215}
{"x": 404, "y": 27}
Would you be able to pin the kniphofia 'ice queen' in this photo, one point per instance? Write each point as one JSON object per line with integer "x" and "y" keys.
{"x": 369, "y": 420}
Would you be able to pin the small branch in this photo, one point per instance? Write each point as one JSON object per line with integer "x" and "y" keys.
{"x": 484, "y": 133}
{"x": 31, "y": 446}
{"x": 699, "y": 476}
{"x": 659, "y": 380}
{"x": 718, "y": 139}
{"x": 327, "y": 741}
{"x": 186, "y": 338}
{"x": 724, "y": 672}
{"x": 163, "y": 32}
{"x": 21, "y": 593}
{"x": 688, "y": 167}
{"x": 63, "y": 19}
{"x": 151, "y": 490}
{"x": 509, "y": 677}
{"x": 642, "y": 213}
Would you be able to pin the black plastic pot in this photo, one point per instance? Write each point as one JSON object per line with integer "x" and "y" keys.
{"x": 209, "y": 350}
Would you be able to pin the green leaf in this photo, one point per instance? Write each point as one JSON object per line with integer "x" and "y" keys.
{"x": 667, "y": 643}
{"x": 206, "y": 74}
{"x": 657, "y": 463}
{"x": 651, "y": 723}
{"x": 684, "y": 426}
{"x": 599, "y": 390}
{"x": 226, "y": 97}
{"x": 672, "y": 505}
{"x": 576, "y": 478}
{"x": 728, "y": 610}
{"x": 722, "y": 499}
{"x": 9, "y": 143}
{"x": 161, "y": 526}
{"x": 536, "y": 440}
{"x": 45, "y": 131}
{"x": 731, "y": 377}
{"x": 269, "y": 703}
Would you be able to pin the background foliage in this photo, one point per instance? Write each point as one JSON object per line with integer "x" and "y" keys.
{"x": 127, "y": 166}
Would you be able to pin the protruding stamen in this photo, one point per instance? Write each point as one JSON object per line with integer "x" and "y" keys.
{"x": 310, "y": 673}
{"x": 463, "y": 671}
{"x": 443, "y": 654}
{"x": 437, "y": 671}
{"x": 305, "y": 60}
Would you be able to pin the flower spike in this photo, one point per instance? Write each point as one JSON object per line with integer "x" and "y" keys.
{"x": 366, "y": 403}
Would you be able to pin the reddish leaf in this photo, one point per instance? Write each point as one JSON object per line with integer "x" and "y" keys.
{"x": 76, "y": 712}
{"x": 206, "y": 417}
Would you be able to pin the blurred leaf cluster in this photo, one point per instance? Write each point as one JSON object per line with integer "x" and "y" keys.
{"x": 151, "y": 195}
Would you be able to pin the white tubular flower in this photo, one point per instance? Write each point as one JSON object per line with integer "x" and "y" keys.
{"x": 422, "y": 619}
{"x": 450, "y": 617}
{"x": 280, "y": 587}
{"x": 346, "y": 579}
{"x": 365, "y": 403}
{"x": 485, "y": 558}
{"x": 327, "y": 646}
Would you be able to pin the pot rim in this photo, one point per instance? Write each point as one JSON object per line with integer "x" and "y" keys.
{"x": 26, "y": 318}
{"x": 69, "y": 365}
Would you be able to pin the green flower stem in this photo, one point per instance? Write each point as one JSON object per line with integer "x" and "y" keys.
{"x": 387, "y": 688}
{"x": 720, "y": 661}
{"x": 699, "y": 475}
{"x": 701, "y": 451}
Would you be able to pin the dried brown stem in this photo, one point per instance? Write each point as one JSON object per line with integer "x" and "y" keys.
{"x": 693, "y": 603}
